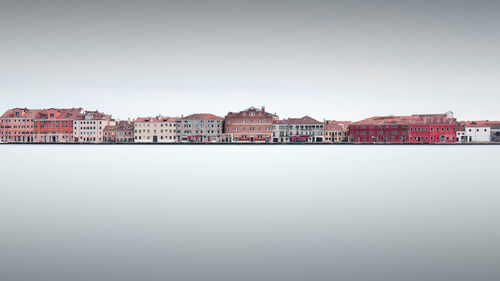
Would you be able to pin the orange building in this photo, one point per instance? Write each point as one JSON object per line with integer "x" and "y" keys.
{"x": 250, "y": 125}
{"x": 55, "y": 125}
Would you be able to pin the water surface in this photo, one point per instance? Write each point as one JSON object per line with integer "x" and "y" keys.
{"x": 249, "y": 212}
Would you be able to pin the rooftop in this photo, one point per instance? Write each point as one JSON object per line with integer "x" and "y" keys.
{"x": 446, "y": 118}
{"x": 156, "y": 119}
{"x": 120, "y": 126}
{"x": 21, "y": 112}
{"x": 303, "y": 120}
{"x": 202, "y": 116}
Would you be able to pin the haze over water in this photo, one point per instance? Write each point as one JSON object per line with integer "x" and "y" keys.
{"x": 249, "y": 212}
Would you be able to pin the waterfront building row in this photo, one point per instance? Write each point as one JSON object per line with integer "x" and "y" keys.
{"x": 252, "y": 125}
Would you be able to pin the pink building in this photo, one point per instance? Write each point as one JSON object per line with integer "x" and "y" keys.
{"x": 17, "y": 125}
{"x": 89, "y": 127}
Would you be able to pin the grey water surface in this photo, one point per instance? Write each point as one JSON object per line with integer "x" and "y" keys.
{"x": 249, "y": 212}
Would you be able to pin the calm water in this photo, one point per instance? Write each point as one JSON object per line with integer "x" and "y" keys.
{"x": 249, "y": 213}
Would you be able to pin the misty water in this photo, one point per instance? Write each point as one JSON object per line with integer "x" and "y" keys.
{"x": 154, "y": 212}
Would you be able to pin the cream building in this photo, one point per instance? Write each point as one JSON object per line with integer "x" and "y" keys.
{"x": 157, "y": 129}
{"x": 336, "y": 131}
{"x": 305, "y": 129}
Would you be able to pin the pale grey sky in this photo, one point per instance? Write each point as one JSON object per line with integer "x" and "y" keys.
{"x": 328, "y": 59}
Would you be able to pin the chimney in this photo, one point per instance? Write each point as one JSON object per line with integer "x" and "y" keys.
{"x": 129, "y": 120}
{"x": 263, "y": 108}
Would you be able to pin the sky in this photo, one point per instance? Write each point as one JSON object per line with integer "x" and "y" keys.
{"x": 342, "y": 60}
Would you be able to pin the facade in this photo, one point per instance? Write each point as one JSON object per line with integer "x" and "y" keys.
{"x": 89, "y": 127}
{"x": 461, "y": 133}
{"x": 55, "y": 125}
{"x": 120, "y": 132}
{"x": 477, "y": 132}
{"x": 428, "y": 133}
{"x": 336, "y": 131}
{"x": 421, "y": 128}
{"x": 199, "y": 128}
{"x": 305, "y": 129}
{"x": 381, "y": 132}
{"x": 251, "y": 125}
{"x": 157, "y": 129}
{"x": 18, "y": 125}
{"x": 495, "y": 132}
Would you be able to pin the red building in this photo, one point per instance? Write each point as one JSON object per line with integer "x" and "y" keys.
{"x": 378, "y": 129}
{"x": 422, "y": 128}
{"x": 433, "y": 128}
{"x": 121, "y": 132}
{"x": 17, "y": 125}
{"x": 250, "y": 125}
{"x": 55, "y": 125}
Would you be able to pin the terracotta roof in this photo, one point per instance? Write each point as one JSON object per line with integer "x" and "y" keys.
{"x": 59, "y": 113}
{"x": 495, "y": 126}
{"x": 280, "y": 122}
{"x": 303, "y": 120}
{"x": 120, "y": 126}
{"x": 24, "y": 113}
{"x": 156, "y": 119}
{"x": 202, "y": 116}
{"x": 332, "y": 125}
{"x": 412, "y": 119}
{"x": 481, "y": 123}
{"x": 95, "y": 115}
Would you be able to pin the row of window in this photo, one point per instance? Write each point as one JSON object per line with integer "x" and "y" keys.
{"x": 299, "y": 127}
{"x": 244, "y": 121}
{"x": 15, "y": 120}
{"x": 198, "y": 126}
{"x": 199, "y": 121}
{"x": 244, "y": 137}
{"x": 380, "y": 132}
{"x": 198, "y": 132}
{"x": 250, "y": 129}
{"x": 154, "y": 124}
{"x": 154, "y": 131}
{"x": 149, "y": 137}
{"x": 378, "y": 126}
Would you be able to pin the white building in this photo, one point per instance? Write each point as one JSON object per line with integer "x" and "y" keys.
{"x": 157, "y": 129}
{"x": 477, "y": 133}
{"x": 305, "y": 129}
